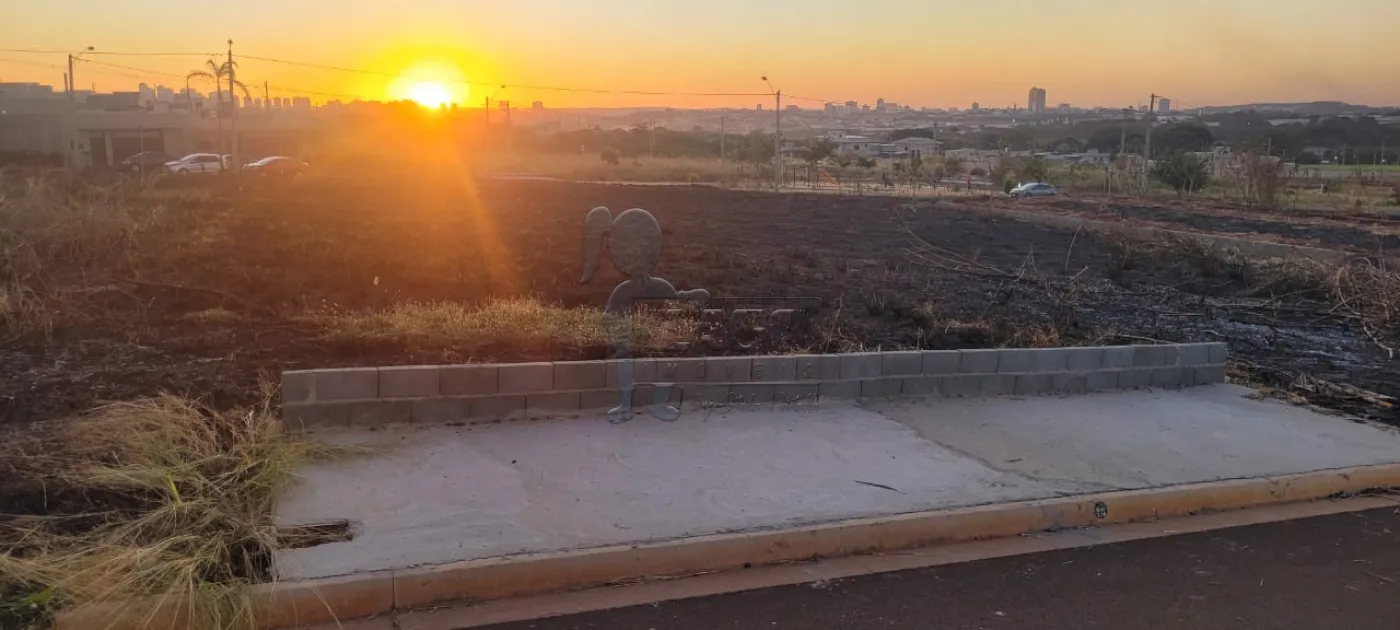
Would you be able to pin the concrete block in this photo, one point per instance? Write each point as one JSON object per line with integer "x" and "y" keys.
{"x": 468, "y": 380}
{"x": 552, "y": 405}
{"x": 347, "y": 384}
{"x": 1119, "y": 357}
{"x": 596, "y": 401}
{"x": 922, "y": 386}
{"x": 1154, "y": 356}
{"x": 581, "y": 375}
{"x": 1193, "y": 354}
{"x": 1013, "y": 361}
{"x": 1170, "y": 377}
{"x": 769, "y": 369}
{"x": 690, "y": 370}
{"x": 408, "y": 381}
{"x": 1032, "y": 384}
{"x": 840, "y": 390}
{"x": 796, "y": 394}
{"x": 962, "y": 386}
{"x": 901, "y": 363}
{"x": 860, "y": 365}
{"x": 728, "y": 369}
{"x": 1032, "y": 360}
{"x": 525, "y": 378}
{"x": 942, "y": 361}
{"x": 498, "y": 407}
{"x": 1069, "y": 383}
{"x": 1101, "y": 380}
{"x": 998, "y": 384}
{"x": 1083, "y": 359}
{"x": 1134, "y": 378}
{"x": 298, "y": 387}
{"x": 751, "y": 394}
{"x": 885, "y": 387}
{"x": 440, "y": 410}
{"x": 697, "y": 396}
{"x": 978, "y": 361}
{"x": 823, "y": 367}
{"x": 1218, "y": 352}
{"x": 1208, "y": 374}
{"x": 311, "y": 416}
{"x": 644, "y": 396}
{"x": 374, "y": 413}
{"x": 643, "y": 371}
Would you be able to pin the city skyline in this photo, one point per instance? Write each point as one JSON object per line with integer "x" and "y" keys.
{"x": 1197, "y": 53}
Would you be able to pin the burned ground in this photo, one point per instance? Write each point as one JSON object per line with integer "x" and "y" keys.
{"x": 227, "y": 287}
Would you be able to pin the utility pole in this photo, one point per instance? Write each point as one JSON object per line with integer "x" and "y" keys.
{"x": 1147, "y": 144}
{"x": 651, "y": 149}
{"x": 488, "y": 111}
{"x": 778, "y": 141}
{"x": 266, "y": 94}
{"x": 722, "y": 137}
{"x": 233, "y": 111}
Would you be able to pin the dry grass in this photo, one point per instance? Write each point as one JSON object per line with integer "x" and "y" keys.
{"x": 1365, "y": 291}
{"x": 191, "y": 519}
{"x": 513, "y": 323}
{"x": 590, "y": 168}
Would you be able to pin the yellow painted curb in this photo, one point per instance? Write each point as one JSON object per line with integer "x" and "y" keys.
{"x": 318, "y": 601}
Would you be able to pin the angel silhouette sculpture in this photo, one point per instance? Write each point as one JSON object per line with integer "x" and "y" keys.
{"x": 633, "y": 240}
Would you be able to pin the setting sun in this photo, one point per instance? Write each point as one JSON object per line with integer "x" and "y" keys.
{"x": 430, "y": 94}
{"x": 430, "y": 84}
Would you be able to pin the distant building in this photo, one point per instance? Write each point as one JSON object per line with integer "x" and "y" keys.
{"x": 830, "y": 109}
{"x": 758, "y": 107}
{"x": 1035, "y": 103}
{"x": 1164, "y": 106}
{"x": 879, "y": 104}
{"x": 976, "y": 107}
{"x": 793, "y": 108}
{"x": 301, "y": 103}
{"x": 146, "y": 95}
{"x": 164, "y": 94}
{"x": 537, "y": 106}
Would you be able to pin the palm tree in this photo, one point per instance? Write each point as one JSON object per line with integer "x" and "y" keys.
{"x": 219, "y": 73}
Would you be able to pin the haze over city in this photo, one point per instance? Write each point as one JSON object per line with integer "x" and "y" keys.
{"x": 1085, "y": 52}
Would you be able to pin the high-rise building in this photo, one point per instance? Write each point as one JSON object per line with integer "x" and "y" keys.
{"x": 146, "y": 95}
{"x": 830, "y": 109}
{"x": 1164, "y": 106}
{"x": 1035, "y": 103}
{"x": 537, "y": 106}
{"x": 879, "y": 104}
{"x": 301, "y": 103}
{"x": 164, "y": 94}
{"x": 976, "y": 107}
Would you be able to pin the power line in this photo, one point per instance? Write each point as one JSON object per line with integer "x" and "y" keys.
{"x": 32, "y": 63}
{"x": 518, "y": 86}
{"x": 144, "y": 71}
{"x": 40, "y": 51}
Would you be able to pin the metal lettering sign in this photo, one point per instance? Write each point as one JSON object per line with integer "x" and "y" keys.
{"x": 633, "y": 242}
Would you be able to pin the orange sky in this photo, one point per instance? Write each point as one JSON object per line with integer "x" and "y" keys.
{"x": 1086, "y": 52}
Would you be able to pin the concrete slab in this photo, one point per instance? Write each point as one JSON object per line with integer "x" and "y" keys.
{"x": 1122, "y": 440}
{"x": 440, "y": 494}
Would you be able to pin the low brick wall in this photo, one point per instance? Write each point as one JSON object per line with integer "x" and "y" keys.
{"x": 443, "y": 394}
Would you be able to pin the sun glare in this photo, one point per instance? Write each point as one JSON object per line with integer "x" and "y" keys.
{"x": 430, "y": 84}
{"x": 430, "y": 94}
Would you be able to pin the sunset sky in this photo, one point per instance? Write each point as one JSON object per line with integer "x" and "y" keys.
{"x": 917, "y": 52}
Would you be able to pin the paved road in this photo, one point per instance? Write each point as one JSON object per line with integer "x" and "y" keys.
{"x": 1329, "y": 572}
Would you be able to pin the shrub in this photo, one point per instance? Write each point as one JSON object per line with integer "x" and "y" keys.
{"x": 1184, "y": 172}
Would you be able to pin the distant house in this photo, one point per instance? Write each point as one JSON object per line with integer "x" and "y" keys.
{"x": 865, "y": 146}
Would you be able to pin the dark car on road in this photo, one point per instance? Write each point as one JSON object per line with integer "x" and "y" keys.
{"x": 277, "y": 166}
{"x": 146, "y": 162}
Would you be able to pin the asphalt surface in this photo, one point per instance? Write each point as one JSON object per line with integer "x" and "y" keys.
{"x": 1331, "y": 572}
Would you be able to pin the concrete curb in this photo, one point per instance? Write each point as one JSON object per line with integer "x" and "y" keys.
{"x": 484, "y": 393}
{"x": 347, "y": 597}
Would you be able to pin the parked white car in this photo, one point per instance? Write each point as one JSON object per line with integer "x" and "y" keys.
{"x": 196, "y": 163}
{"x": 1034, "y": 190}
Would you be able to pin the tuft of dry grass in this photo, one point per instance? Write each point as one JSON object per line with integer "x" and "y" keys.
{"x": 504, "y": 322}
{"x": 192, "y": 519}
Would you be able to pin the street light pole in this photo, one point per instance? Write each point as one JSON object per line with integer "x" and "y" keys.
{"x": 73, "y": 80}
{"x": 777, "y": 136}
